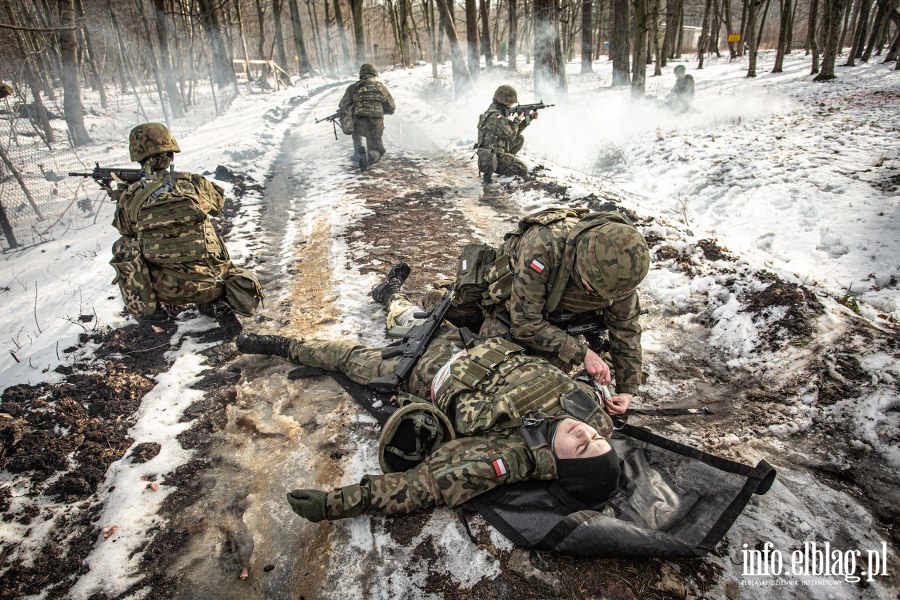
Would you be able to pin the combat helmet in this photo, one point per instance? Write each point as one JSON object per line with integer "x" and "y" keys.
{"x": 148, "y": 139}
{"x": 506, "y": 94}
{"x": 613, "y": 258}
{"x": 368, "y": 69}
{"x": 414, "y": 431}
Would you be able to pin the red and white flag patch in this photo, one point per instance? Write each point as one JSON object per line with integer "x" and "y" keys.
{"x": 499, "y": 467}
{"x": 537, "y": 265}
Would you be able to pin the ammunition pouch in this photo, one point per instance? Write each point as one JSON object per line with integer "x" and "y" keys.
{"x": 243, "y": 291}
{"x": 133, "y": 277}
{"x": 470, "y": 271}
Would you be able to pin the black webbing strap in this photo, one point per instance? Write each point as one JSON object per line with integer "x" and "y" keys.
{"x": 378, "y": 404}
{"x": 669, "y": 412}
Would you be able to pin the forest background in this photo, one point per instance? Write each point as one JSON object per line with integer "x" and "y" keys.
{"x": 170, "y": 52}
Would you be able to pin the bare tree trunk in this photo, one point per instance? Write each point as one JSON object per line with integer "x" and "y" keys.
{"x": 848, "y": 8}
{"x": 318, "y": 43}
{"x": 342, "y": 34}
{"x": 549, "y": 69}
{"x": 728, "y": 26}
{"x": 221, "y": 57}
{"x": 783, "y": 36}
{"x": 639, "y": 39}
{"x": 472, "y": 36}
{"x": 356, "y": 12}
{"x": 303, "y": 66}
{"x": 619, "y": 45}
{"x": 512, "y": 49}
{"x": 654, "y": 37}
{"x": 831, "y": 37}
{"x": 72, "y": 106}
{"x": 704, "y": 34}
{"x": 403, "y": 30}
{"x": 894, "y": 51}
{"x": 587, "y": 36}
{"x": 241, "y": 28}
{"x": 280, "y": 51}
{"x": 485, "y": 7}
{"x": 811, "y": 36}
{"x": 862, "y": 32}
{"x": 750, "y": 30}
{"x": 261, "y": 41}
{"x": 40, "y": 115}
{"x": 91, "y": 57}
{"x": 462, "y": 79}
{"x": 151, "y": 57}
{"x": 762, "y": 23}
{"x": 880, "y": 25}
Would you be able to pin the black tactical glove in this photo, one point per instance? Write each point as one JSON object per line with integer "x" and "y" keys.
{"x": 309, "y": 504}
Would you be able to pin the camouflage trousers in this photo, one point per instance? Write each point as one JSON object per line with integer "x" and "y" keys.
{"x": 372, "y": 129}
{"x": 364, "y": 363}
{"x": 503, "y": 163}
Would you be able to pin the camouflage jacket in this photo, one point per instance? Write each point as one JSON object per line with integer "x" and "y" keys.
{"x": 495, "y": 130}
{"x": 169, "y": 217}
{"x": 368, "y": 97}
{"x": 538, "y": 254}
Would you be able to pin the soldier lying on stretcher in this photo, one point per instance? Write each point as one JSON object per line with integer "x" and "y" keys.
{"x": 500, "y": 415}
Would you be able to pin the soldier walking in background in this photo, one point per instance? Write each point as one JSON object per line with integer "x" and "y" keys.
{"x": 500, "y": 138}
{"x": 363, "y": 107}
{"x": 169, "y": 251}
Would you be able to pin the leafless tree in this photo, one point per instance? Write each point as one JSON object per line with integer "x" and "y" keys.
{"x": 587, "y": 36}
{"x": 462, "y": 79}
{"x": 472, "y": 36}
{"x": 486, "y": 50}
{"x": 620, "y": 44}
{"x": 831, "y": 35}
{"x": 549, "y": 67}
{"x": 72, "y": 106}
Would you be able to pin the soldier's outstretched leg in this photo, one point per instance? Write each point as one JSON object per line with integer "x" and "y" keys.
{"x": 382, "y": 292}
{"x": 272, "y": 345}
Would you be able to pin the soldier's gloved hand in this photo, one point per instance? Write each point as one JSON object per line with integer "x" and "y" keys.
{"x": 309, "y": 504}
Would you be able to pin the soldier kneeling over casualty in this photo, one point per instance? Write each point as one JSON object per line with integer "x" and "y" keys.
{"x": 362, "y": 111}
{"x": 493, "y": 415}
{"x": 169, "y": 251}
{"x": 500, "y": 137}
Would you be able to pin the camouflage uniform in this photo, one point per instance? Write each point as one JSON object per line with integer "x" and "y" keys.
{"x": 485, "y": 392}
{"x": 370, "y": 100}
{"x": 499, "y": 139}
{"x": 169, "y": 250}
{"x": 682, "y": 95}
{"x": 541, "y": 276}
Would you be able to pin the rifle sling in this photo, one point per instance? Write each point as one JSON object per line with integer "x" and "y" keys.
{"x": 378, "y": 404}
{"x": 669, "y": 412}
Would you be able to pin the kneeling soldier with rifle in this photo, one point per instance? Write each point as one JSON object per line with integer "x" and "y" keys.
{"x": 500, "y": 137}
{"x": 169, "y": 252}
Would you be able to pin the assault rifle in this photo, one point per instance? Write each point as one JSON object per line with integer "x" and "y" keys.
{"x": 521, "y": 109}
{"x": 105, "y": 176}
{"x": 413, "y": 345}
{"x": 333, "y": 118}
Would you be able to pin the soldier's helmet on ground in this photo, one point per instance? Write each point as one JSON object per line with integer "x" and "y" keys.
{"x": 148, "y": 139}
{"x": 613, "y": 258}
{"x": 410, "y": 434}
{"x": 506, "y": 94}
{"x": 368, "y": 70}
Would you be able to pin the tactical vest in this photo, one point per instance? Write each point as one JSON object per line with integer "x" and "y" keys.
{"x": 171, "y": 225}
{"x": 368, "y": 99}
{"x": 487, "y": 138}
{"x": 533, "y": 389}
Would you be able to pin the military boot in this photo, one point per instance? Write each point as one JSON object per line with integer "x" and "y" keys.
{"x": 382, "y": 292}
{"x": 363, "y": 158}
{"x": 274, "y": 345}
{"x": 224, "y": 315}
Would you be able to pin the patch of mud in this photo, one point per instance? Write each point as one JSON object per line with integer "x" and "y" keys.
{"x": 60, "y": 438}
{"x": 787, "y": 309}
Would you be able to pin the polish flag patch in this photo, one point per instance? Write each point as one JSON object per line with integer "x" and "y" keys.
{"x": 499, "y": 467}
{"x": 537, "y": 265}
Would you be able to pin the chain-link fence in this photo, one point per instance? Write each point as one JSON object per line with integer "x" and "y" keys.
{"x": 38, "y": 199}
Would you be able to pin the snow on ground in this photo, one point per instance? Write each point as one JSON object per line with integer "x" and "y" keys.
{"x": 797, "y": 177}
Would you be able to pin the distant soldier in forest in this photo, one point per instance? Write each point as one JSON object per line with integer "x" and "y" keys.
{"x": 682, "y": 95}
{"x": 169, "y": 252}
{"x": 362, "y": 111}
{"x": 500, "y": 136}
